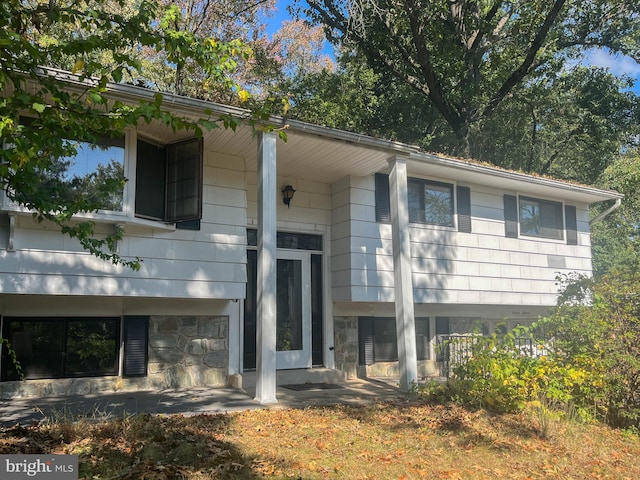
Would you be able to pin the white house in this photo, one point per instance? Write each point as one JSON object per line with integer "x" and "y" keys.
{"x": 381, "y": 248}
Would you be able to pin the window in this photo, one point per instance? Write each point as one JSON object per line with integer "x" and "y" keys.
{"x": 61, "y": 347}
{"x": 297, "y": 241}
{"x": 169, "y": 181}
{"x": 378, "y": 339}
{"x": 541, "y": 218}
{"x": 95, "y": 172}
{"x": 168, "y": 177}
{"x": 96, "y": 166}
{"x": 430, "y": 202}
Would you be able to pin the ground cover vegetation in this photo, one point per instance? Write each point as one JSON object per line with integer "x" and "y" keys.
{"x": 401, "y": 440}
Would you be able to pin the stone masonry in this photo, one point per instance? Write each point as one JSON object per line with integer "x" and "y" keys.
{"x": 187, "y": 351}
{"x": 346, "y": 354}
{"x": 184, "y": 351}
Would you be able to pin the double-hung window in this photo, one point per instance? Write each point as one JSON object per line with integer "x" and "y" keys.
{"x": 540, "y": 218}
{"x": 430, "y": 202}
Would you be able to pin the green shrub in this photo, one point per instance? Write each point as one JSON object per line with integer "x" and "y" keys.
{"x": 592, "y": 367}
{"x": 497, "y": 376}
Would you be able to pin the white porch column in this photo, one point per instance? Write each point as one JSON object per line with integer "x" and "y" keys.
{"x": 405, "y": 321}
{"x": 266, "y": 286}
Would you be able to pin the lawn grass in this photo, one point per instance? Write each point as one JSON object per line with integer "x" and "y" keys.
{"x": 375, "y": 441}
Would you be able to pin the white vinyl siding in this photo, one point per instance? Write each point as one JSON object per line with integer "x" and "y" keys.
{"x": 482, "y": 267}
{"x": 207, "y": 264}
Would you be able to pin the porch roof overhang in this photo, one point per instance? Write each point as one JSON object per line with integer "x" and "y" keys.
{"x": 326, "y": 154}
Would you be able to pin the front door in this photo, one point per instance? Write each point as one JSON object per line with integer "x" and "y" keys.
{"x": 293, "y": 310}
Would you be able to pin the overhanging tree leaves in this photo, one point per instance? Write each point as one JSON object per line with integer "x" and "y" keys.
{"x": 616, "y": 238}
{"x": 63, "y": 109}
{"x": 468, "y": 56}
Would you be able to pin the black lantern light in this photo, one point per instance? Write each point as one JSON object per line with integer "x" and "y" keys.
{"x": 287, "y": 194}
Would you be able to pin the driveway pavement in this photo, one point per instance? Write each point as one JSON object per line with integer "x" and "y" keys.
{"x": 191, "y": 401}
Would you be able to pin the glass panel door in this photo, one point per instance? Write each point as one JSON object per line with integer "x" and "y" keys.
{"x": 293, "y": 318}
{"x": 293, "y": 311}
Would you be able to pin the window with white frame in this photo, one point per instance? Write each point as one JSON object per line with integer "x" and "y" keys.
{"x": 92, "y": 170}
{"x": 168, "y": 184}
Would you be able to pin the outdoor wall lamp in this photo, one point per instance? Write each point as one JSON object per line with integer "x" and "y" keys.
{"x": 287, "y": 194}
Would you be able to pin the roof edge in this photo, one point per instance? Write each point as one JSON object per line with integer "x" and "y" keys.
{"x": 192, "y": 106}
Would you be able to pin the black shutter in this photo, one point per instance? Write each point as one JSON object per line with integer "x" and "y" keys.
{"x": 184, "y": 181}
{"x": 572, "y": 224}
{"x": 511, "y": 216}
{"x": 464, "y": 209}
{"x": 136, "y": 339}
{"x": 366, "y": 339}
{"x": 383, "y": 202}
{"x": 422, "y": 338}
{"x": 188, "y": 225}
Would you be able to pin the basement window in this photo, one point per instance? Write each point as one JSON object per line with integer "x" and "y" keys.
{"x": 53, "y": 347}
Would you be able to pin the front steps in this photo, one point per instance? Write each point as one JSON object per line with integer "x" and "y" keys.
{"x": 292, "y": 377}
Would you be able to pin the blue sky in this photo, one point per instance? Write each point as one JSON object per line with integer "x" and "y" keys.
{"x": 617, "y": 64}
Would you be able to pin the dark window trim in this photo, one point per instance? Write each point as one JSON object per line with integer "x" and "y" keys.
{"x": 61, "y": 371}
{"x": 463, "y": 204}
{"x": 510, "y": 216}
{"x": 135, "y": 343}
{"x": 287, "y": 240}
{"x": 460, "y": 202}
{"x": 559, "y": 229}
{"x": 424, "y": 183}
{"x": 571, "y": 221}
{"x": 173, "y": 185}
{"x": 383, "y": 200}
{"x": 369, "y": 351}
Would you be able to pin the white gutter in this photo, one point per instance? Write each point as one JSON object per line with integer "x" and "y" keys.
{"x": 608, "y": 211}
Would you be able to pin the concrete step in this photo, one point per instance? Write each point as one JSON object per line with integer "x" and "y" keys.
{"x": 296, "y": 377}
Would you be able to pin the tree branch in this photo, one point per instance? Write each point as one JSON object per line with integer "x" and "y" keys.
{"x": 526, "y": 66}
{"x": 426, "y": 67}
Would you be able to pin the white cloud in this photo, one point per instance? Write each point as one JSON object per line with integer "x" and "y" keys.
{"x": 617, "y": 64}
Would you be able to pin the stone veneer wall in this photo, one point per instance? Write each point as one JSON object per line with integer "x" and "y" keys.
{"x": 345, "y": 332}
{"x": 188, "y": 351}
{"x": 184, "y": 351}
{"x": 346, "y": 354}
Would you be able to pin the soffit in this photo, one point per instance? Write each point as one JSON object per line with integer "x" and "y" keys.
{"x": 327, "y": 155}
{"x": 300, "y": 156}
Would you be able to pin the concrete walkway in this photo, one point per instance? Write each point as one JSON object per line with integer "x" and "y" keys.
{"x": 190, "y": 401}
